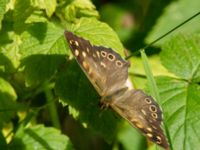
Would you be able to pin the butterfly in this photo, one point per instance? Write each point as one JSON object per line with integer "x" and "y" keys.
{"x": 108, "y": 73}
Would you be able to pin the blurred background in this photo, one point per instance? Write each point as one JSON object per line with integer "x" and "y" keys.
{"x": 139, "y": 22}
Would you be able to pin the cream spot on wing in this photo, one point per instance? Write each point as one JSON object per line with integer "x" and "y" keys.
{"x": 134, "y": 120}
{"x": 90, "y": 70}
{"x": 85, "y": 65}
{"x": 71, "y": 42}
{"x": 149, "y": 129}
{"x": 154, "y": 127}
{"x": 103, "y": 64}
{"x": 150, "y": 121}
{"x": 94, "y": 55}
{"x": 159, "y": 140}
{"x": 95, "y": 65}
{"x": 98, "y": 54}
{"x": 139, "y": 125}
{"x": 149, "y": 135}
{"x": 76, "y": 52}
{"x": 76, "y": 43}
{"x": 144, "y": 112}
{"x": 87, "y": 49}
{"x": 84, "y": 54}
{"x": 103, "y": 53}
{"x": 118, "y": 63}
{"x": 141, "y": 117}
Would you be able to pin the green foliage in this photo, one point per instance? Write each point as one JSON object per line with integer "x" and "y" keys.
{"x": 42, "y": 45}
{"x": 181, "y": 100}
{"x": 7, "y": 103}
{"x": 86, "y": 27}
{"x": 46, "y": 101}
{"x": 187, "y": 57}
{"x": 2, "y": 10}
{"x": 39, "y": 137}
{"x": 131, "y": 139}
{"x": 180, "y": 12}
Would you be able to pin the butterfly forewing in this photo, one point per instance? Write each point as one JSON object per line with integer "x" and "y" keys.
{"x": 105, "y": 68}
{"x": 108, "y": 73}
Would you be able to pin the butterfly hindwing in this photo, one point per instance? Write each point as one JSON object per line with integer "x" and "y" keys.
{"x": 142, "y": 112}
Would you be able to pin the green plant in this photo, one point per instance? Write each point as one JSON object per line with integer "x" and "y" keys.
{"x": 46, "y": 102}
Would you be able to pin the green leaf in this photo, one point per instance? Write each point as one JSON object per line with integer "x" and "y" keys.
{"x": 80, "y": 8}
{"x": 6, "y": 65}
{"x": 151, "y": 82}
{"x": 49, "y": 6}
{"x": 181, "y": 56}
{"x": 3, "y": 143}
{"x": 84, "y": 4}
{"x": 22, "y": 11}
{"x": 181, "y": 104}
{"x": 131, "y": 139}
{"x": 181, "y": 11}
{"x": 36, "y": 16}
{"x": 137, "y": 73}
{"x": 98, "y": 33}
{"x": 40, "y": 68}
{"x": 40, "y": 138}
{"x": 43, "y": 38}
{"x": 74, "y": 88}
{"x": 7, "y": 101}
{"x": 43, "y": 50}
{"x": 2, "y": 10}
{"x": 11, "y": 51}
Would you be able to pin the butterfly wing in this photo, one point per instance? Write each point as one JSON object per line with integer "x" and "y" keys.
{"x": 142, "y": 112}
{"x": 108, "y": 73}
{"x": 105, "y": 68}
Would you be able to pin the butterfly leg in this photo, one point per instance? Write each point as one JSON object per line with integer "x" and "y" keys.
{"x": 102, "y": 103}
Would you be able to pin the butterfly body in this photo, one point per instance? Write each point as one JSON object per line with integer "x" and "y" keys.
{"x": 108, "y": 73}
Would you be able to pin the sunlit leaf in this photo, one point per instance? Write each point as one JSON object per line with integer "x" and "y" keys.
{"x": 174, "y": 14}
{"x": 40, "y": 138}
{"x": 181, "y": 102}
{"x": 98, "y": 33}
{"x": 43, "y": 50}
{"x": 7, "y": 101}
{"x": 2, "y": 10}
{"x": 181, "y": 55}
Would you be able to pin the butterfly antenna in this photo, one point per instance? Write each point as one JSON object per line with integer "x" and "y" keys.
{"x": 161, "y": 37}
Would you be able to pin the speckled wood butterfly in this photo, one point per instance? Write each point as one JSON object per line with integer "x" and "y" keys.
{"x": 108, "y": 73}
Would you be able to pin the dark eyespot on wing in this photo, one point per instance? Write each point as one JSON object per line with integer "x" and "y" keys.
{"x": 111, "y": 57}
{"x": 103, "y": 53}
{"x": 152, "y": 108}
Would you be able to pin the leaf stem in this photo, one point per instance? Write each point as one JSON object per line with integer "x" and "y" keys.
{"x": 164, "y": 35}
{"x": 51, "y": 106}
